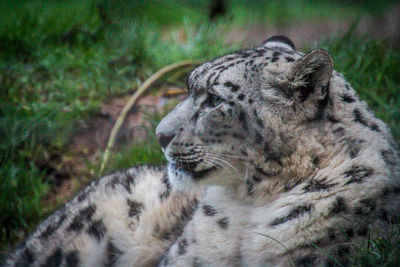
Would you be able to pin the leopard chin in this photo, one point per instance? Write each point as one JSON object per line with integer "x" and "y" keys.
{"x": 183, "y": 178}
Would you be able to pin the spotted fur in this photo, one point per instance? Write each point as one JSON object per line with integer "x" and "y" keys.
{"x": 273, "y": 160}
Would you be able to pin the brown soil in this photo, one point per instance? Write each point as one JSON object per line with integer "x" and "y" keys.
{"x": 70, "y": 171}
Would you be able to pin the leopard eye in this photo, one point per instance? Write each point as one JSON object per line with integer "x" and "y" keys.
{"x": 213, "y": 100}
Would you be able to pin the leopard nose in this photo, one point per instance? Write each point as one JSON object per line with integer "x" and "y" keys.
{"x": 164, "y": 140}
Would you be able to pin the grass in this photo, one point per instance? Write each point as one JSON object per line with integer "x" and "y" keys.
{"x": 371, "y": 67}
{"x": 147, "y": 152}
{"x": 52, "y": 83}
{"x": 60, "y": 60}
{"x": 380, "y": 251}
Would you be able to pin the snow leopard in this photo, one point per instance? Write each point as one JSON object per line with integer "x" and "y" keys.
{"x": 273, "y": 160}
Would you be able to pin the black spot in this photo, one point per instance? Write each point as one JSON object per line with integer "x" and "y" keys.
{"x": 339, "y": 205}
{"x": 165, "y": 179}
{"x": 208, "y": 210}
{"x": 347, "y": 87}
{"x": 374, "y": 127}
{"x": 242, "y": 119}
{"x": 290, "y": 185}
{"x": 238, "y": 136}
{"x": 305, "y": 91}
{"x": 349, "y": 232}
{"x": 88, "y": 212}
{"x": 241, "y": 97}
{"x": 332, "y": 235}
{"x": 135, "y": 208}
{"x": 26, "y": 259}
{"x": 196, "y": 262}
{"x": 76, "y": 224}
{"x": 82, "y": 196}
{"x": 177, "y": 229}
{"x": 53, "y": 226}
{"x": 84, "y": 215}
{"x": 195, "y": 116}
{"x": 289, "y": 59}
{"x": 233, "y": 87}
{"x": 128, "y": 181}
{"x": 113, "y": 253}
{"x": 97, "y": 230}
{"x": 353, "y": 146}
{"x": 182, "y": 245}
{"x": 366, "y": 207}
{"x": 388, "y": 157}
{"x": 333, "y": 119}
{"x": 369, "y": 203}
{"x": 125, "y": 180}
{"x": 317, "y": 185}
{"x": 55, "y": 258}
{"x": 223, "y": 223}
{"x": 209, "y": 79}
{"x": 356, "y": 174}
{"x": 348, "y": 98}
{"x": 164, "y": 261}
{"x": 293, "y": 214}
{"x": 270, "y": 154}
{"x": 259, "y": 122}
{"x": 72, "y": 259}
{"x": 250, "y": 101}
{"x": 258, "y": 138}
{"x": 305, "y": 261}
{"x": 275, "y": 56}
{"x": 358, "y": 117}
{"x": 259, "y": 170}
{"x": 164, "y": 195}
{"x": 316, "y": 160}
{"x": 257, "y": 178}
{"x": 339, "y": 131}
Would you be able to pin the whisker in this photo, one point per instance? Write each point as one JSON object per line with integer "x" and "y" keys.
{"x": 226, "y": 162}
{"x": 227, "y": 155}
{"x": 219, "y": 163}
{"x": 209, "y": 164}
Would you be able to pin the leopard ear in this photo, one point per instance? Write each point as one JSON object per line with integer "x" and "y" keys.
{"x": 308, "y": 78}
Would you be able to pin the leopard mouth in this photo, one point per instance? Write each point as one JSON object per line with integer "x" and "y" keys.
{"x": 189, "y": 169}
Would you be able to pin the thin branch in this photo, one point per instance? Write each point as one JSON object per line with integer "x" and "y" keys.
{"x": 132, "y": 101}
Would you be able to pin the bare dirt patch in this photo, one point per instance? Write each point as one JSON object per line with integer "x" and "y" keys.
{"x": 69, "y": 172}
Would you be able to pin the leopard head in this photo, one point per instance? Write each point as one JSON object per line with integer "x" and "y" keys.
{"x": 241, "y": 112}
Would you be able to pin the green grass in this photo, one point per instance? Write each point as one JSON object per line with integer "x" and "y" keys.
{"x": 147, "y": 152}
{"x": 380, "y": 251}
{"x": 50, "y": 85}
{"x": 372, "y": 68}
{"x": 60, "y": 60}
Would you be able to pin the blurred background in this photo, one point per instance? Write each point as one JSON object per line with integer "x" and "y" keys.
{"x": 68, "y": 67}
